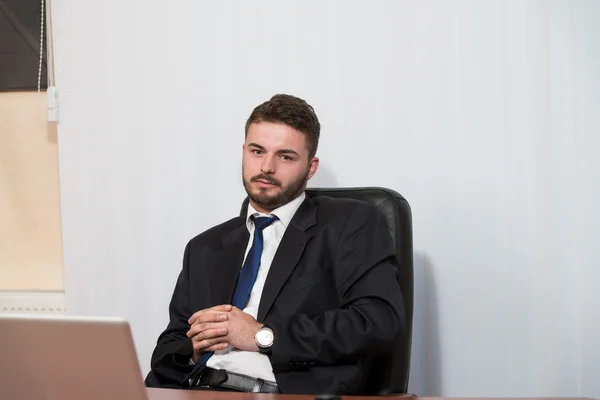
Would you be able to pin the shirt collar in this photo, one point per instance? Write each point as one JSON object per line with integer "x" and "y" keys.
{"x": 285, "y": 213}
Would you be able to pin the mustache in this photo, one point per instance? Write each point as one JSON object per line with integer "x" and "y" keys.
{"x": 267, "y": 178}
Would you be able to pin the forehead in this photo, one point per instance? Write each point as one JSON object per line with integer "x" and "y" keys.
{"x": 275, "y": 136}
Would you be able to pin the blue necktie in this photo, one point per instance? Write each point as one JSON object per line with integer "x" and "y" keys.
{"x": 247, "y": 275}
{"x": 252, "y": 263}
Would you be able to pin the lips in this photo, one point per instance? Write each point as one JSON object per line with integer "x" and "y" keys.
{"x": 265, "y": 182}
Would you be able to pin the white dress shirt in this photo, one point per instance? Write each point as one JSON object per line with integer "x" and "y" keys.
{"x": 251, "y": 363}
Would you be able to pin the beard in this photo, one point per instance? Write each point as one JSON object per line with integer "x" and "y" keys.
{"x": 270, "y": 202}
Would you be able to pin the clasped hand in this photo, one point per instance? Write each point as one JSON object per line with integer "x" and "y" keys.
{"x": 218, "y": 327}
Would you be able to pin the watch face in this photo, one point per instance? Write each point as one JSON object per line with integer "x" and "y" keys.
{"x": 264, "y": 337}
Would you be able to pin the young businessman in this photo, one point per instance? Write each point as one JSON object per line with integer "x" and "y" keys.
{"x": 298, "y": 295}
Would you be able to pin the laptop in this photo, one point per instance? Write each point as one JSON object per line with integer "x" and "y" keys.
{"x": 50, "y": 357}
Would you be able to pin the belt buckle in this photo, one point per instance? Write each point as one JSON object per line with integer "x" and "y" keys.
{"x": 216, "y": 378}
{"x": 258, "y": 385}
{"x": 196, "y": 380}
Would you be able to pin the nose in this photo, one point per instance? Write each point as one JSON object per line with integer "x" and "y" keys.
{"x": 268, "y": 165}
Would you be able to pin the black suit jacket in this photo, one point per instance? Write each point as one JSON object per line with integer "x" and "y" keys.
{"x": 331, "y": 297}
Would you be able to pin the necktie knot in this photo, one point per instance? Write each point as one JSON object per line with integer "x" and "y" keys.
{"x": 261, "y": 223}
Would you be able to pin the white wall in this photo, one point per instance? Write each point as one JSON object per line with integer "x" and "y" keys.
{"x": 585, "y": 253}
{"x": 482, "y": 113}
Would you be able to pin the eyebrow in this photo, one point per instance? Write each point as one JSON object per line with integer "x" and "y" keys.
{"x": 282, "y": 151}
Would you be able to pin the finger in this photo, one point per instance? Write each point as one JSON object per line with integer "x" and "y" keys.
{"x": 236, "y": 311}
{"x": 210, "y": 334}
{"x": 202, "y": 345}
{"x": 211, "y": 317}
{"x": 217, "y": 347}
{"x": 222, "y": 307}
{"x": 198, "y": 328}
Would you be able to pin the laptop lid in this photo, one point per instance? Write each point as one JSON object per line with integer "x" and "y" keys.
{"x": 53, "y": 357}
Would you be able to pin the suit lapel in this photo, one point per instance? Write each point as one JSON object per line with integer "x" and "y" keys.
{"x": 288, "y": 254}
{"x": 227, "y": 265}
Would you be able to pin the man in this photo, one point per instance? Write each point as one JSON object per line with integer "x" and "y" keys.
{"x": 297, "y": 296}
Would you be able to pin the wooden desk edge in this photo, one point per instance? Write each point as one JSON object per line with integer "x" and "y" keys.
{"x": 175, "y": 394}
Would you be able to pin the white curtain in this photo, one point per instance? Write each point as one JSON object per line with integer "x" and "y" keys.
{"x": 483, "y": 114}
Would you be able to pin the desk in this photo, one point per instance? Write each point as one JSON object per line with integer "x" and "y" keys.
{"x": 173, "y": 394}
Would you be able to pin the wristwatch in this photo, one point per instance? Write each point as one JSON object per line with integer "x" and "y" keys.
{"x": 264, "y": 339}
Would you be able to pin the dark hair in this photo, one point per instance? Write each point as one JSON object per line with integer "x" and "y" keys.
{"x": 291, "y": 111}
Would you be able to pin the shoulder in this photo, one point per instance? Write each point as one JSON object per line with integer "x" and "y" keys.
{"x": 343, "y": 208}
{"x": 215, "y": 234}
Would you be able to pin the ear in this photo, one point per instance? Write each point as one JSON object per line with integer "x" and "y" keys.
{"x": 313, "y": 166}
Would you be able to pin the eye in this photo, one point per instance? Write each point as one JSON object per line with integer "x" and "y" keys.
{"x": 286, "y": 158}
{"x": 256, "y": 151}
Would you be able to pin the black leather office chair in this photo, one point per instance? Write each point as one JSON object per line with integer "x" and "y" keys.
{"x": 389, "y": 373}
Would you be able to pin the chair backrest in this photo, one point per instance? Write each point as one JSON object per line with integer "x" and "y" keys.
{"x": 389, "y": 373}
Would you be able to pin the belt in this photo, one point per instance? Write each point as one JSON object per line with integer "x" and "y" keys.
{"x": 234, "y": 381}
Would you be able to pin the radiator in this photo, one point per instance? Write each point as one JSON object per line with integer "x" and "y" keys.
{"x": 32, "y": 302}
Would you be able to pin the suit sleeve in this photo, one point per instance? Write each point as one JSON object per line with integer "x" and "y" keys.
{"x": 371, "y": 313}
{"x": 170, "y": 359}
